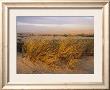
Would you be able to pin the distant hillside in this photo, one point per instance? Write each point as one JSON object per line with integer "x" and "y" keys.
{"x": 53, "y": 30}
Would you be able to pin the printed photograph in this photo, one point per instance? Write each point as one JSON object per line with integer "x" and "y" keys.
{"x": 55, "y": 44}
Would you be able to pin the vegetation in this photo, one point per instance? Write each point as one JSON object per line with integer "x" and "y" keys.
{"x": 57, "y": 52}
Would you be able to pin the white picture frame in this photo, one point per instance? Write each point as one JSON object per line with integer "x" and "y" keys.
{"x": 7, "y": 5}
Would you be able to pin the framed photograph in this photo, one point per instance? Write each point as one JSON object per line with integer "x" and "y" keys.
{"x": 50, "y": 44}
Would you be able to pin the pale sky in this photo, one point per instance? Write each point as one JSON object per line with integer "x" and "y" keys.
{"x": 55, "y": 24}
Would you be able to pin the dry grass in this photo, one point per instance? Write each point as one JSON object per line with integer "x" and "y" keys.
{"x": 57, "y": 53}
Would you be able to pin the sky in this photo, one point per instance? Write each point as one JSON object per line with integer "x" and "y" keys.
{"x": 55, "y": 24}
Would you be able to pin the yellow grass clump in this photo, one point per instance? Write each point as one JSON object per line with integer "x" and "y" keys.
{"x": 57, "y": 52}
